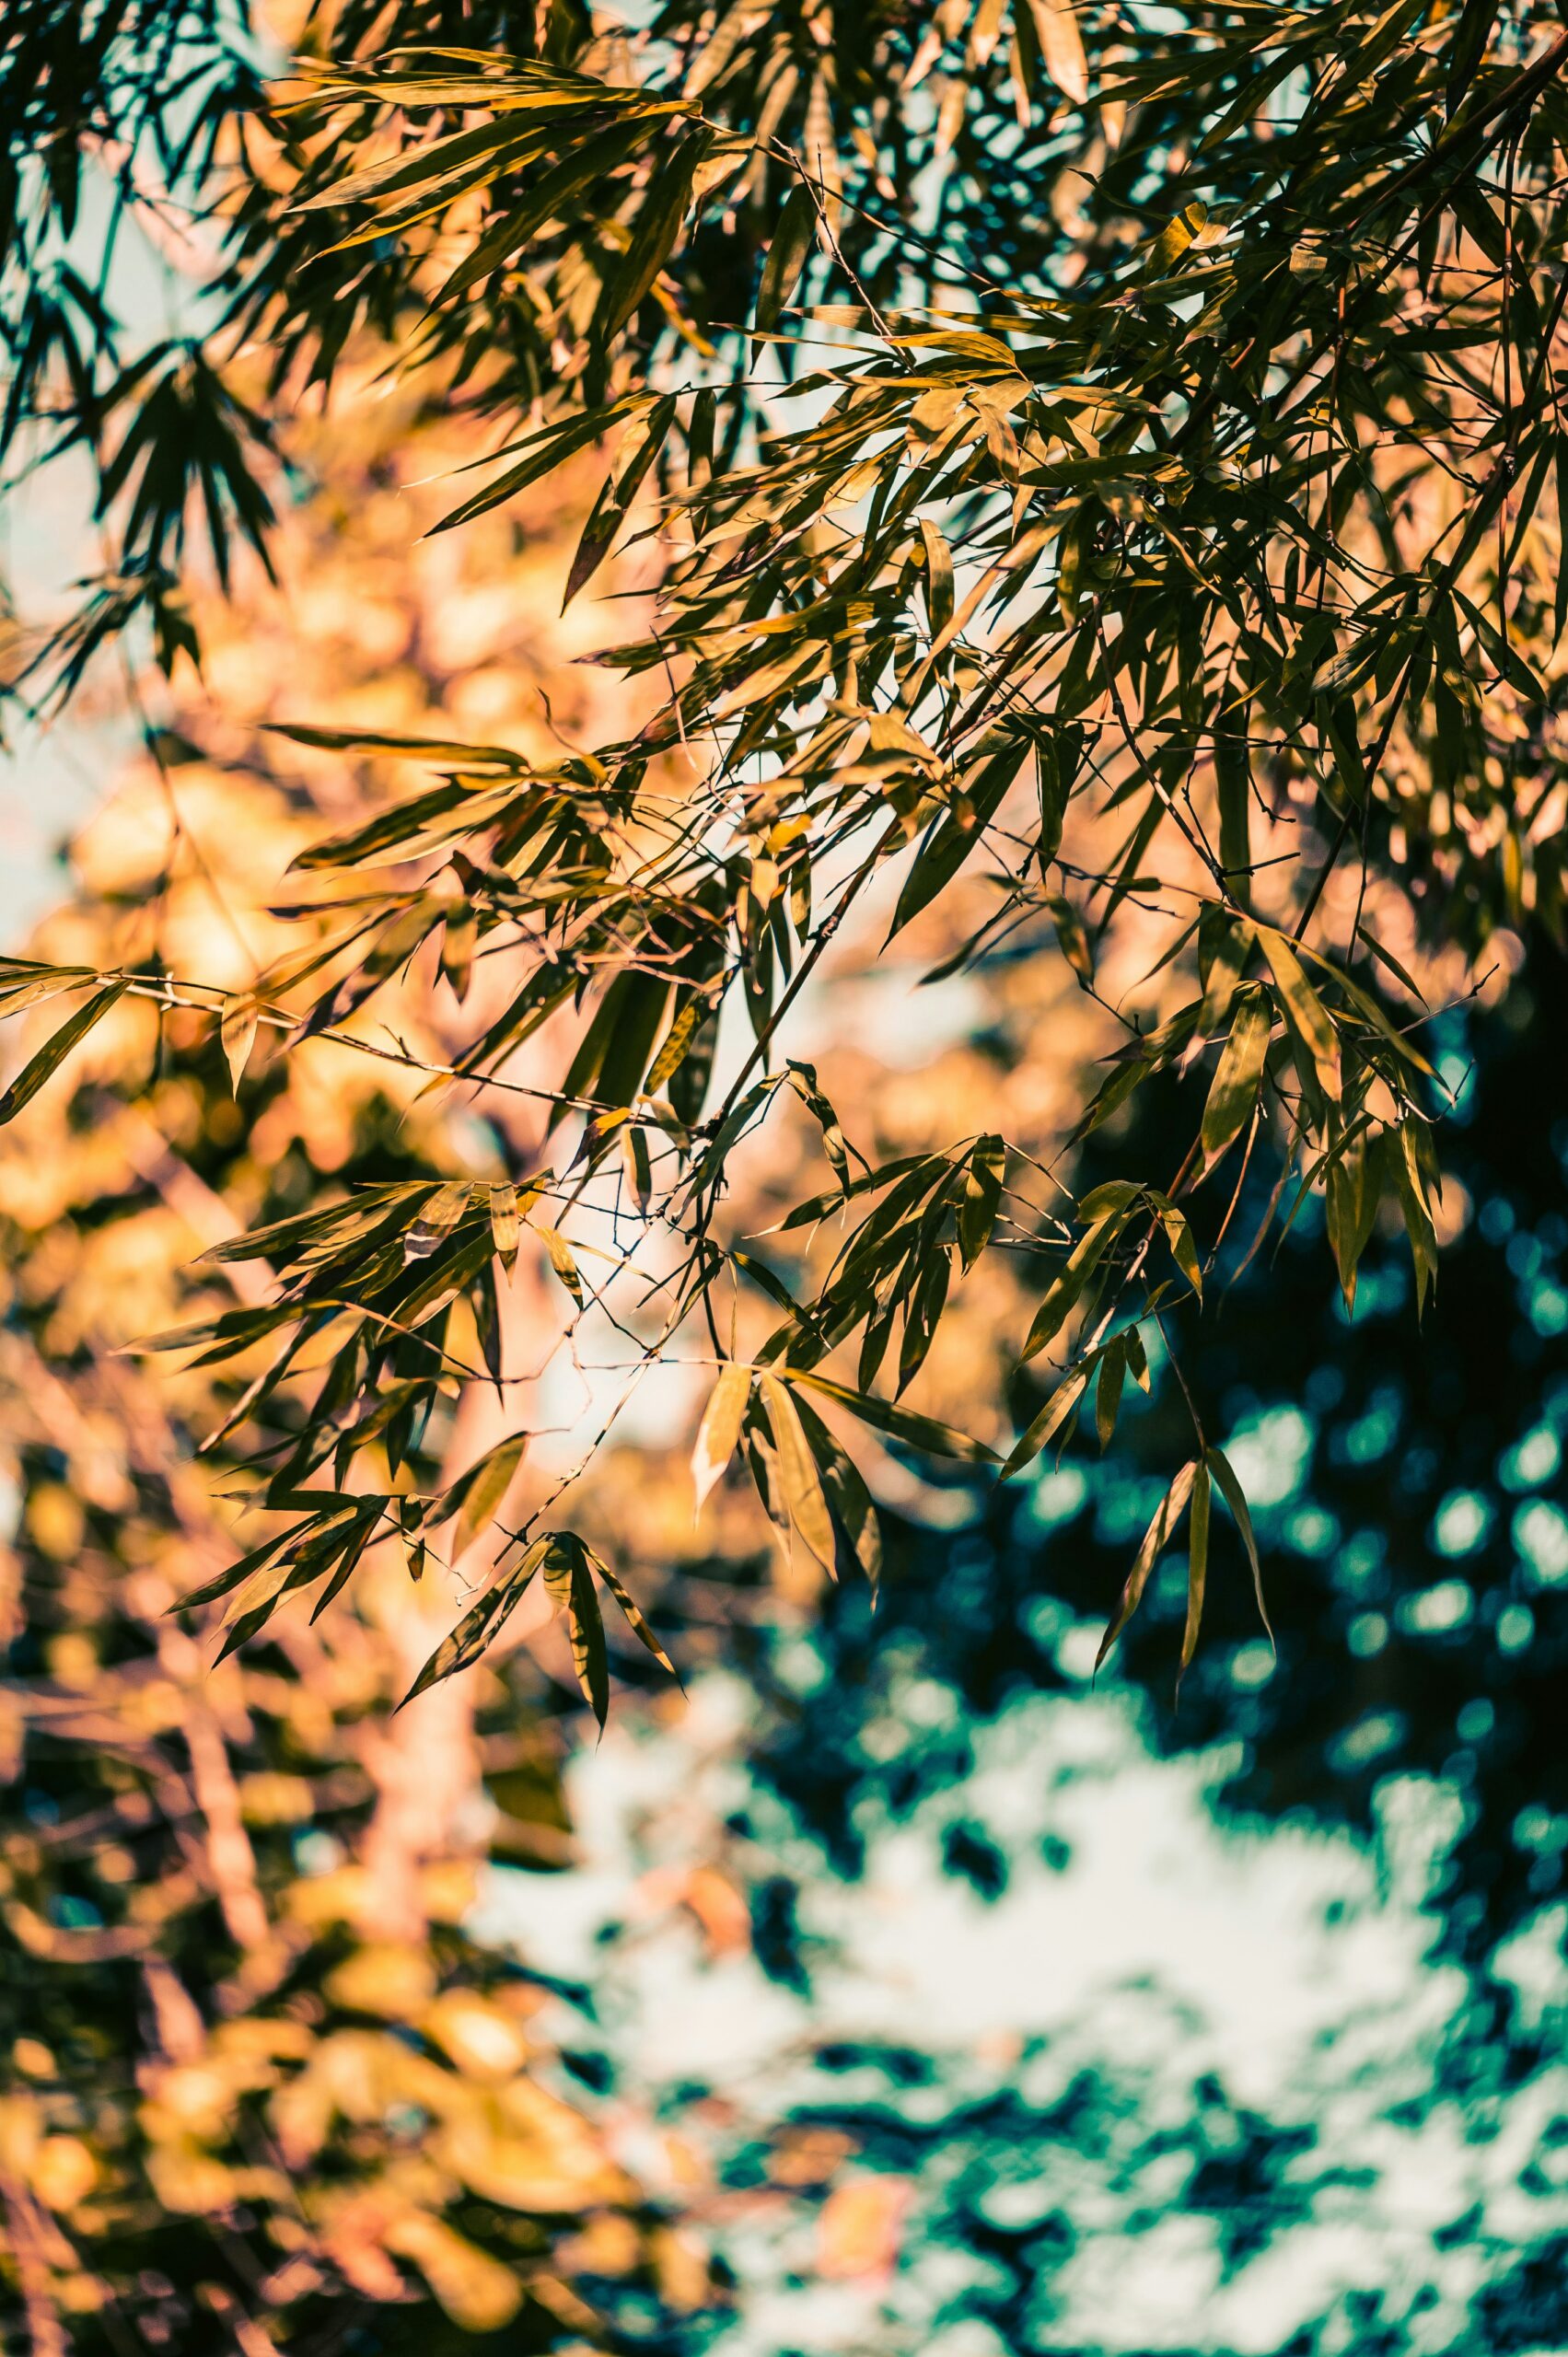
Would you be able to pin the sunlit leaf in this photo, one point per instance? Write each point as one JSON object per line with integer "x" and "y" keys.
{"x": 719, "y": 1430}
{"x": 477, "y": 1495}
{"x": 803, "y": 1498}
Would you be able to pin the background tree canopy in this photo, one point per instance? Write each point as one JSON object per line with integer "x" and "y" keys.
{"x": 1098, "y": 476}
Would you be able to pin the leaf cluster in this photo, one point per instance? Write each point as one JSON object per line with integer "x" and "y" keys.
{"x": 1103, "y": 469}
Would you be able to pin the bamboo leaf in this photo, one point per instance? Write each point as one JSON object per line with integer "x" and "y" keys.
{"x": 1466, "y": 49}
{"x": 1108, "y": 1390}
{"x": 561, "y": 1259}
{"x": 803, "y": 1497}
{"x": 1236, "y": 1499}
{"x": 786, "y": 259}
{"x": 675, "y": 1047}
{"x": 476, "y": 1496}
{"x": 1071, "y": 936}
{"x": 982, "y": 1197}
{"x": 1050, "y": 1420}
{"x": 659, "y": 217}
{"x": 634, "y": 1616}
{"x": 481, "y": 1624}
{"x": 1062, "y": 45}
{"x": 1233, "y": 775}
{"x": 719, "y": 1430}
{"x": 237, "y": 1027}
{"x": 847, "y": 1494}
{"x": 505, "y": 1222}
{"x": 585, "y": 1624}
{"x": 1061, "y": 1295}
{"x": 1233, "y": 1092}
{"x": 437, "y": 1218}
{"x": 1305, "y": 1014}
{"x": 644, "y": 441}
{"x": 42, "y": 1066}
{"x": 1197, "y": 1568}
{"x": 923, "y": 1432}
{"x": 1162, "y": 1529}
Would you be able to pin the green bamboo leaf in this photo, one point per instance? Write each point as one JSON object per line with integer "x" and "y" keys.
{"x": 1108, "y": 1390}
{"x": 1071, "y": 936}
{"x": 955, "y": 835}
{"x": 24, "y": 982}
{"x": 819, "y": 1207}
{"x": 1177, "y": 235}
{"x": 440, "y": 750}
{"x": 639, "y": 1165}
{"x": 787, "y": 254}
{"x": 1410, "y": 1187}
{"x": 1466, "y": 49}
{"x": 476, "y": 1496}
{"x": 237, "y": 1573}
{"x": 634, "y": 1616}
{"x": 659, "y": 217}
{"x": 1162, "y": 1529}
{"x": 1233, "y": 776}
{"x": 1385, "y": 956}
{"x": 802, "y": 1078}
{"x": 982, "y": 1197}
{"x": 939, "y": 596}
{"x": 1178, "y": 1235}
{"x": 923, "y": 1432}
{"x": 360, "y": 1533}
{"x": 568, "y": 1576}
{"x": 42, "y": 1067}
{"x": 1061, "y": 1295}
{"x": 643, "y": 440}
{"x": 481, "y": 1624}
{"x": 1197, "y": 1568}
{"x": 675, "y": 1046}
{"x": 404, "y": 832}
{"x": 1368, "y": 1008}
{"x": 1235, "y": 1497}
{"x": 1233, "y": 1092}
{"x": 1352, "y": 1207}
{"x": 924, "y": 1302}
{"x": 1050, "y": 1420}
{"x": 437, "y": 1218}
{"x": 548, "y": 449}
{"x": 1317, "y": 1041}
